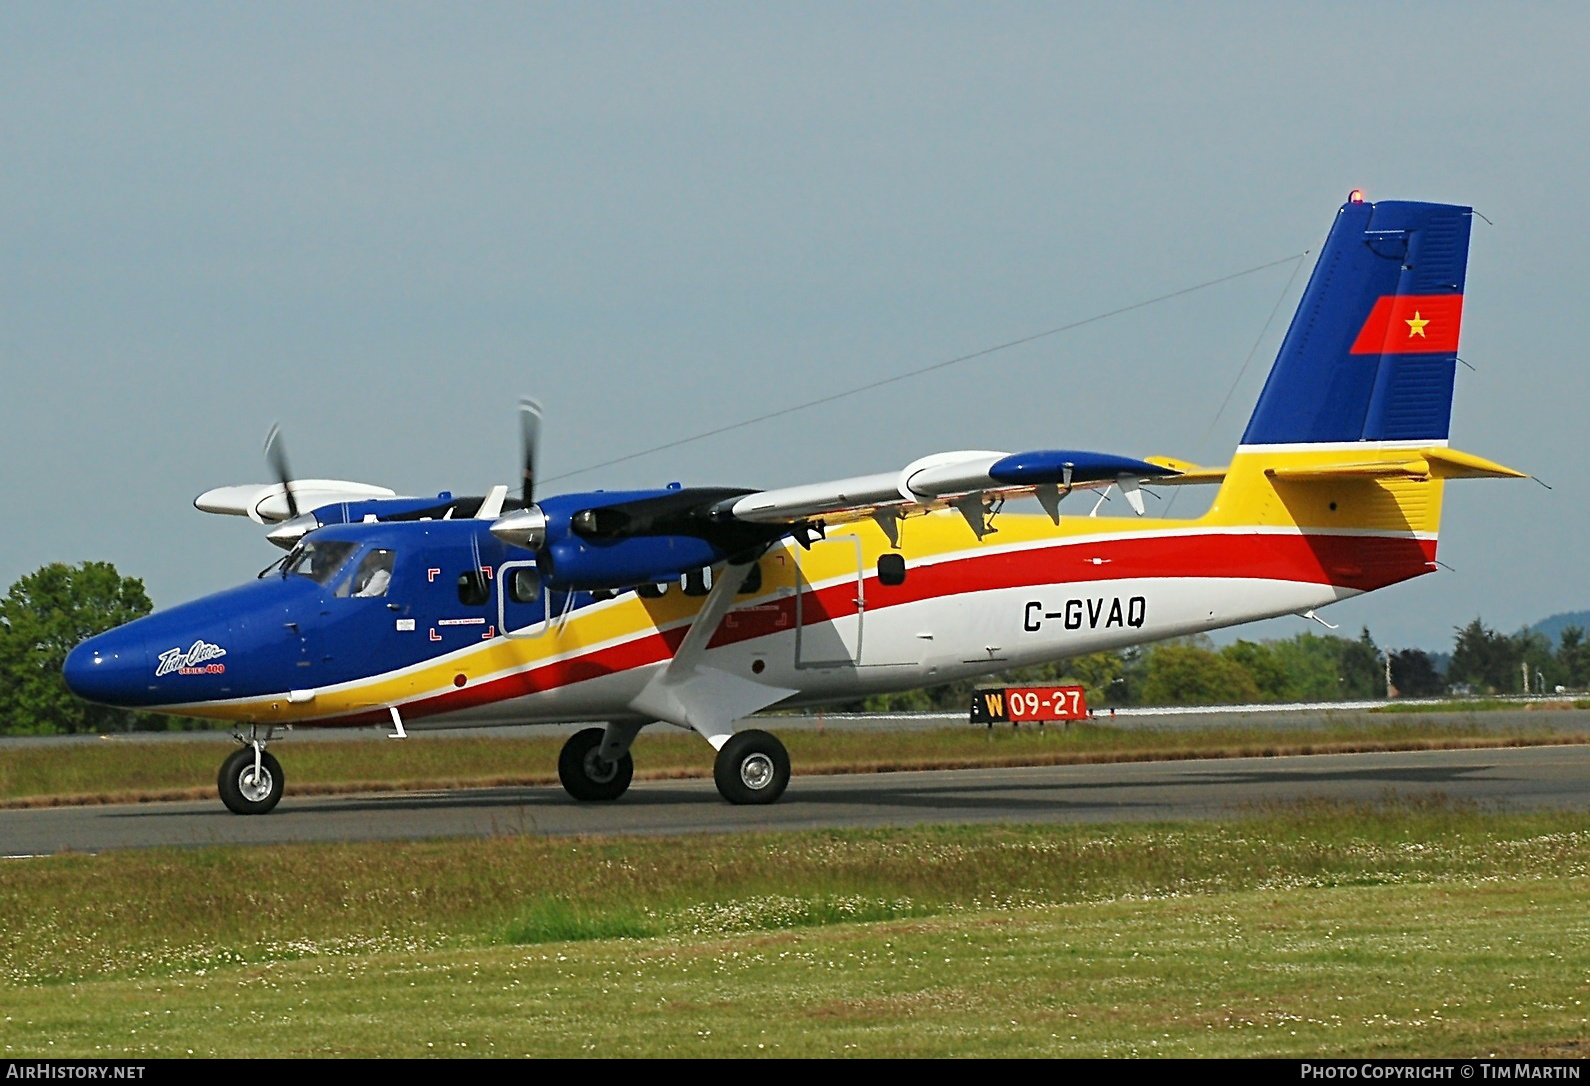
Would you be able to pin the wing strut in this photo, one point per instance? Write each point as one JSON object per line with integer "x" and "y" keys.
{"x": 706, "y": 699}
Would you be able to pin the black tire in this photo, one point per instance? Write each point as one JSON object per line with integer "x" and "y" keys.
{"x": 239, "y": 789}
{"x": 587, "y": 777}
{"x": 752, "y": 767}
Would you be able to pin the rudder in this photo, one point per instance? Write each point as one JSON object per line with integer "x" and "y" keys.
{"x": 1371, "y": 353}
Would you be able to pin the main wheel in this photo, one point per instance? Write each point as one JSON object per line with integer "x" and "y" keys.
{"x": 588, "y": 776}
{"x": 752, "y": 767}
{"x": 243, "y": 790}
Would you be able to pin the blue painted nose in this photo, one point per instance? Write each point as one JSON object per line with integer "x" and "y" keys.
{"x": 112, "y": 669}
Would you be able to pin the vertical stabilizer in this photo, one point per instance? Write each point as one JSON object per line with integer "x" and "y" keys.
{"x": 1348, "y": 443}
{"x": 1372, "y": 350}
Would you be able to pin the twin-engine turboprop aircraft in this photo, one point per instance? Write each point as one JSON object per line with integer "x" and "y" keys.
{"x": 701, "y": 605}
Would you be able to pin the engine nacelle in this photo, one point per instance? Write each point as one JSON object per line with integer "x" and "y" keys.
{"x": 575, "y": 563}
{"x": 620, "y": 539}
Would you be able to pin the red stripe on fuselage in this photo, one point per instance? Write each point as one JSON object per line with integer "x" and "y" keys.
{"x": 1358, "y": 562}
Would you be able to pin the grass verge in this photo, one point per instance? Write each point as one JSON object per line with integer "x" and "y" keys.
{"x": 1485, "y": 705}
{"x": 1413, "y": 929}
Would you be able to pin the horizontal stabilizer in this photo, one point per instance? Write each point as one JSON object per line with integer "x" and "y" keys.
{"x": 1421, "y": 464}
{"x": 1451, "y": 464}
{"x": 1186, "y": 472}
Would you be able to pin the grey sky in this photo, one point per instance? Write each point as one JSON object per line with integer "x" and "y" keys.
{"x": 381, "y": 224}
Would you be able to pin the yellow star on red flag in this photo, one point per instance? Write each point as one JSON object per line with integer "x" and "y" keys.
{"x": 1415, "y": 325}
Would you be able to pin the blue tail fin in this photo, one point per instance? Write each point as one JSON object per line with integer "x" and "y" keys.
{"x": 1372, "y": 350}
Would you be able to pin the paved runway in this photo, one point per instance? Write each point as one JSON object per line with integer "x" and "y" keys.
{"x": 1522, "y": 778}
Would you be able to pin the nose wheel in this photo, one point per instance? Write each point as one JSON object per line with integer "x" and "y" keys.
{"x": 251, "y": 781}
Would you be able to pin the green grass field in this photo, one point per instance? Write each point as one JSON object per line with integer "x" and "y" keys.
{"x": 1400, "y": 929}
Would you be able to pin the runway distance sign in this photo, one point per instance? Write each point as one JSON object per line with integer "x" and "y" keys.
{"x": 1029, "y": 705}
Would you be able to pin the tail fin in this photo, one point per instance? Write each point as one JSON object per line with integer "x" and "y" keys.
{"x": 1372, "y": 350}
{"x": 1348, "y": 443}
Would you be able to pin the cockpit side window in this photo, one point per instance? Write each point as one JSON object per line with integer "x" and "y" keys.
{"x": 318, "y": 561}
{"x": 373, "y": 576}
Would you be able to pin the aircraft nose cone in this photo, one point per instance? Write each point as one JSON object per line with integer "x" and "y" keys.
{"x": 112, "y": 669}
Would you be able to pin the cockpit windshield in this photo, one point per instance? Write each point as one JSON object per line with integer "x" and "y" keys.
{"x": 319, "y": 561}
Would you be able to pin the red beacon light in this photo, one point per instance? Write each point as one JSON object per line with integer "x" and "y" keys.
{"x": 1356, "y": 196}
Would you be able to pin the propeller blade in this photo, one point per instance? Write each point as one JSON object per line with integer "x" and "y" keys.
{"x": 276, "y": 455}
{"x": 529, "y": 441}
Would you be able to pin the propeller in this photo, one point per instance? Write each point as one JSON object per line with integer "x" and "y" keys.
{"x": 529, "y": 442}
{"x": 529, "y": 438}
{"x": 526, "y": 527}
{"x": 276, "y": 456}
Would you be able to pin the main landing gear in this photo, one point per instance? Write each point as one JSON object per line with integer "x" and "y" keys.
{"x": 751, "y": 767}
{"x": 251, "y": 780}
{"x": 590, "y": 773}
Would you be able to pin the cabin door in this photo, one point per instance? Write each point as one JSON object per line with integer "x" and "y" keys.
{"x": 829, "y": 604}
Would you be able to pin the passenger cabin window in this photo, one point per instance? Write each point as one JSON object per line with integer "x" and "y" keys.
{"x": 318, "y": 561}
{"x": 752, "y": 582}
{"x": 472, "y": 588}
{"x": 651, "y": 591}
{"x": 696, "y": 583}
{"x": 891, "y": 569}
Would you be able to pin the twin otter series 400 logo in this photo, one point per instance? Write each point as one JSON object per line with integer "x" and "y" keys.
{"x": 195, "y": 661}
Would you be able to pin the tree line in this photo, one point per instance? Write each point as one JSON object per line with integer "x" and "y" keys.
{"x": 47, "y": 613}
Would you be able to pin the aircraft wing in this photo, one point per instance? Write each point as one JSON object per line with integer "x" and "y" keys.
{"x": 963, "y": 480}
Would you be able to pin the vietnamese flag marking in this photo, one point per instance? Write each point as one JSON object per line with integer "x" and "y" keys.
{"x": 1411, "y": 324}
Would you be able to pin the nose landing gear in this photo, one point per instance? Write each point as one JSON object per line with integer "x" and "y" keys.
{"x": 251, "y": 780}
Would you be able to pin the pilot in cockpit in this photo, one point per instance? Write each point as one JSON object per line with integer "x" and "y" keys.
{"x": 374, "y": 574}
